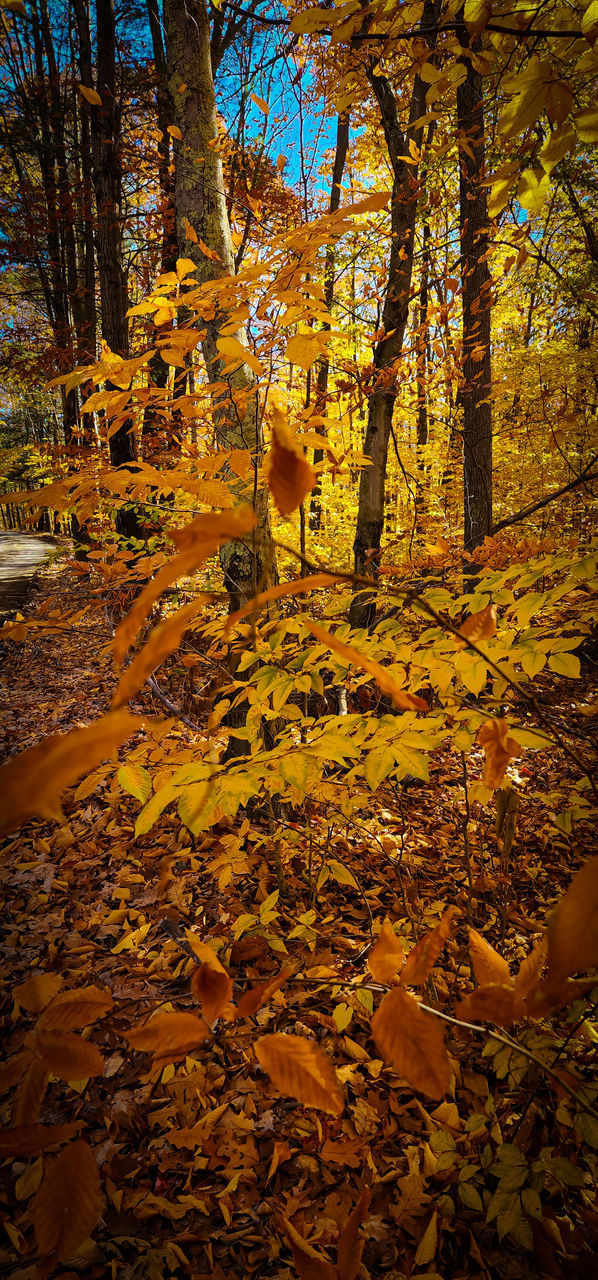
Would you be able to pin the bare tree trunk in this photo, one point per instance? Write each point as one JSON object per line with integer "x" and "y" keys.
{"x": 340, "y": 156}
{"x": 423, "y": 359}
{"x": 476, "y": 385}
{"x": 200, "y": 202}
{"x": 405, "y": 192}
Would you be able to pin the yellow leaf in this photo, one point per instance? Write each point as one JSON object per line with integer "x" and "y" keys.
{"x": 209, "y": 253}
{"x": 174, "y": 131}
{"x": 476, "y": 16}
{"x": 586, "y": 123}
{"x": 305, "y": 348}
{"x": 489, "y": 966}
{"x": 300, "y": 1068}
{"x": 190, "y": 232}
{"x": 402, "y": 700}
{"x": 34, "y": 994}
{"x": 289, "y": 474}
{"x": 90, "y": 95}
{"x": 184, "y": 266}
{"x": 498, "y": 750}
{"x": 412, "y": 1042}
{"x": 69, "y": 1202}
{"x": 67, "y": 1055}
{"x": 573, "y": 926}
{"x": 72, "y": 1010}
{"x": 559, "y": 100}
{"x": 533, "y": 190}
{"x": 232, "y": 349}
{"x": 259, "y": 102}
{"x": 426, "y": 1249}
{"x": 589, "y": 22}
{"x": 386, "y": 955}
{"x": 33, "y": 781}
{"x": 174, "y": 1033}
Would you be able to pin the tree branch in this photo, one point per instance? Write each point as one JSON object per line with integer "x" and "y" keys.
{"x": 586, "y": 474}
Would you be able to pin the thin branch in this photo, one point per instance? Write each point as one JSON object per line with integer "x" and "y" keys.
{"x": 586, "y": 474}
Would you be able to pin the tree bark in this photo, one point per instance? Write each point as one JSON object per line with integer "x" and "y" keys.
{"x": 340, "y": 156}
{"x": 395, "y": 311}
{"x": 200, "y": 201}
{"x": 476, "y": 373}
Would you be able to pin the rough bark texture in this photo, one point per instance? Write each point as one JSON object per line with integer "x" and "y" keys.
{"x": 405, "y": 192}
{"x": 200, "y": 199}
{"x": 476, "y": 386}
{"x": 340, "y": 156}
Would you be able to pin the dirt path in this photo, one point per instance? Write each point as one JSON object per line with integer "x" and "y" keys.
{"x": 20, "y": 556}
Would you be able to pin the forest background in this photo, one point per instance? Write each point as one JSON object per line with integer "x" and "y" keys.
{"x": 298, "y": 367}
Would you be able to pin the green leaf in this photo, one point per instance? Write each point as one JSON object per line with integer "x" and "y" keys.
{"x": 136, "y": 780}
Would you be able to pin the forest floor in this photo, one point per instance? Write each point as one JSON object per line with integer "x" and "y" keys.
{"x": 204, "y": 1165}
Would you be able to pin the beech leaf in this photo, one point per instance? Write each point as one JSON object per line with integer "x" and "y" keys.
{"x": 290, "y": 476}
{"x": 573, "y": 926}
{"x": 499, "y": 748}
{"x": 69, "y": 1202}
{"x": 402, "y": 700}
{"x": 412, "y": 1042}
{"x": 300, "y": 1068}
{"x": 68, "y": 1056}
{"x": 386, "y": 955}
{"x": 168, "y": 1033}
{"x": 488, "y": 965}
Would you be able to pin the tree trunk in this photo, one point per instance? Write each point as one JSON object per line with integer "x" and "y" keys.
{"x": 405, "y": 192}
{"x": 476, "y": 385}
{"x": 200, "y": 202}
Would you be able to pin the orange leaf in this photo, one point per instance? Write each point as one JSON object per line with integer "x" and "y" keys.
{"x": 67, "y": 1055}
{"x": 480, "y": 626}
{"x": 72, "y": 1010}
{"x": 90, "y": 95}
{"x": 288, "y": 472}
{"x": 530, "y": 970}
{"x": 386, "y": 955}
{"x": 400, "y": 699}
{"x": 163, "y": 640}
{"x": 259, "y": 102}
{"x": 498, "y": 749}
{"x": 573, "y": 926}
{"x": 493, "y": 1003}
{"x": 412, "y": 1042}
{"x": 257, "y": 997}
{"x": 350, "y": 1247}
{"x": 30, "y": 1139}
{"x": 423, "y": 957}
{"x": 299, "y": 1067}
{"x": 197, "y": 541}
{"x": 312, "y": 583}
{"x": 488, "y": 965}
{"x": 168, "y": 1033}
{"x": 34, "y": 994}
{"x": 309, "y": 1263}
{"x": 33, "y": 781}
{"x": 69, "y": 1202}
{"x": 212, "y": 986}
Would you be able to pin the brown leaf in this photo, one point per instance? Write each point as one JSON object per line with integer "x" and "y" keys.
{"x": 400, "y": 699}
{"x": 479, "y": 626}
{"x": 168, "y": 1033}
{"x": 573, "y": 926}
{"x": 498, "y": 750}
{"x": 423, "y": 957}
{"x": 386, "y": 955}
{"x": 350, "y": 1246}
{"x": 69, "y": 1202}
{"x": 33, "y": 781}
{"x": 257, "y": 997}
{"x": 290, "y": 476}
{"x": 68, "y": 1056}
{"x": 530, "y": 970}
{"x": 12, "y": 1071}
{"x": 298, "y": 1067}
{"x": 309, "y": 1263}
{"x": 34, "y": 994}
{"x": 489, "y": 966}
{"x": 412, "y": 1042}
{"x": 197, "y": 541}
{"x": 29, "y": 1096}
{"x": 30, "y": 1139}
{"x": 549, "y": 998}
{"x": 74, "y": 1009}
{"x": 493, "y": 1003}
